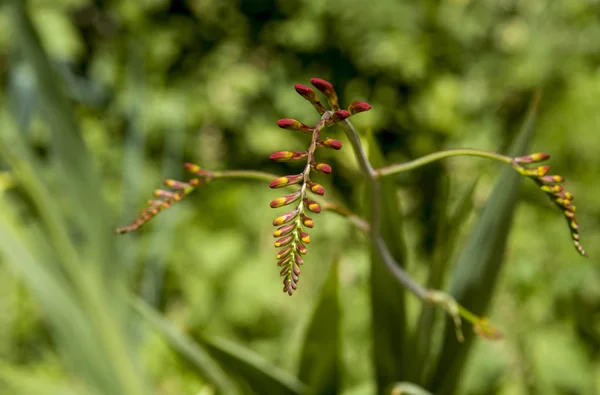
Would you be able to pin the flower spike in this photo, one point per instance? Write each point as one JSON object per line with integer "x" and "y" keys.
{"x": 550, "y": 185}
{"x": 290, "y": 232}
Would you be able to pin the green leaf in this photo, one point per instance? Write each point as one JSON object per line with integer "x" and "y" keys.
{"x": 479, "y": 263}
{"x": 448, "y": 231}
{"x": 253, "y": 369}
{"x": 320, "y": 360}
{"x": 195, "y": 353}
{"x": 387, "y": 295}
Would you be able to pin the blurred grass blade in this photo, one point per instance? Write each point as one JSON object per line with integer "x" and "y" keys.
{"x": 186, "y": 347}
{"x": 408, "y": 389}
{"x": 387, "y": 295}
{"x": 68, "y": 148}
{"x": 474, "y": 276}
{"x": 258, "y": 373}
{"x": 320, "y": 360}
{"x": 20, "y": 381}
{"x": 449, "y": 230}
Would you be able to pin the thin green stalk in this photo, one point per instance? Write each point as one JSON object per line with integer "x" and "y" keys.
{"x": 430, "y": 158}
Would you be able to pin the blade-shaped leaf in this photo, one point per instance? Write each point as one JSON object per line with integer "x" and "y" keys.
{"x": 477, "y": 268}
{"x": 449, "y": 231}
{"x": 259, "y": 374}
{"x": 320, "y": 359}
{"x": 197, "y": 355}
{"x": 387, "y": 295}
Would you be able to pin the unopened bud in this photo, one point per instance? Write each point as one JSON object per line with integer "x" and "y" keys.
{"x": 163, "y": 194}
{"x": 552, "y": 179}
{"x": 311, "y": 96}
{"x": 358, "y": 106}
{"x": 304, "y": 236}
{"x": 284, "y": 230}
{"x": 316, "y": 188}
{"x": 285, "y": 218}
{"x": 292, "y": 124}
{"x": 285, "y": 200}
{"x": 532, "y": 158}
{"x": 283, "y": 241}
{"x": 322, "y": 167}
{"x": 284, "y": 252}
{"x": 327, "y": 89}
{"x": 284, "y": 156}
{"x": 312, "y": 206}
{"x": 306, "y": 221}
{"x": 176, "y": 184}
{"x": 330, "y": 143}
{"x": 286, "y": 180}
{"x": 340, "y": 115}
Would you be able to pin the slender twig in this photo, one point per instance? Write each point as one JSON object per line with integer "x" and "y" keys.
{"x": 430, "y": 158}
{"x": 210, "y": 176}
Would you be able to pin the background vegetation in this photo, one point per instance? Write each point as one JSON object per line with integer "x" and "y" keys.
{"x": 119, "y": 94}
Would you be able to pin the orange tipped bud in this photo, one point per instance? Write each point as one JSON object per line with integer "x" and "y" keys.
{"x": 192, "y": 168}
{"x": 551, "y": 188}
{"x": 316, "y": 188}
{"x": 283, "y": 241}
{"x": 298, "y": 259}
{"x": 284, "y": 156}
{"x": 542, "y": 170}
{"x": 285, "y": 218}
{"x": 304, "y": 236}
{"x": 358, "y": 106}
{"x": 533, "y": 158}
{"x": 301, "y": 248}
{"x": 284, "y": 252}
{"x": 292, "y": 124}
{"x": 312, "y": 206}
{"x": 285, "y": 200}
{"x": 176, "y": 184}
{"x": 552, "y": 179}
{"x": 154, "y": 202}
{"x": 306, "y": 221}
{"x": 286, "y": 180}
{"x": 284, "y": 261}
{"x": 284, "y": 230}
{"x": 163, "y": 194}
{"x": 330, "y": 143}
{"x": 322, "y": 167}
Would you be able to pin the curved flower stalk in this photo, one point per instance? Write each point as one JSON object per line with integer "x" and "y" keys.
{"x": 291, "y": 232}
{"x": 550, "y": 184}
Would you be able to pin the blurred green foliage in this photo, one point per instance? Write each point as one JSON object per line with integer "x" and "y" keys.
{"x": 148, "y": 85}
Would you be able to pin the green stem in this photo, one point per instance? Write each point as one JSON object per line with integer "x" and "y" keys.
{"x": 374, "y": 188}
{"x": 427, "y": 159}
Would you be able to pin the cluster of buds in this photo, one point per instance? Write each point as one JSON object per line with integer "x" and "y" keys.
{"x": 165, "y": 198}
{"x": 291, "y": 236}
{"x": 550, "y": 184}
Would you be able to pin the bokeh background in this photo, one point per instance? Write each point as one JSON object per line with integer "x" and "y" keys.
{"x": 152, "y": 84}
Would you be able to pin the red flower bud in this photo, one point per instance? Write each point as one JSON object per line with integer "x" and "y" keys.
{"x": 358, "y": 106}
{"x": 316, "y": 188}
{"x": 306, "y": 221}
{"x": 285, "y": 218}
{"x": 176, "y": 184}
{"x": 292, "y": 124}
{"x": 285, "y": 200}
{"x": 331, "y": 143}
{"x": 284, "y": 230}
{"x": 322, "y": 167}
{"x": 532, "y": 158}
{"x": 340, "y": 115}
{"x": 328, "y": 90}
{"x": 312, "y": 206}
{"x": 304, "y": 236}
{"x": 286, "y": 180}
{"x": 285, "y": 240}
{"x": 284, "y": 156}
{"x": 311, "y": 96}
